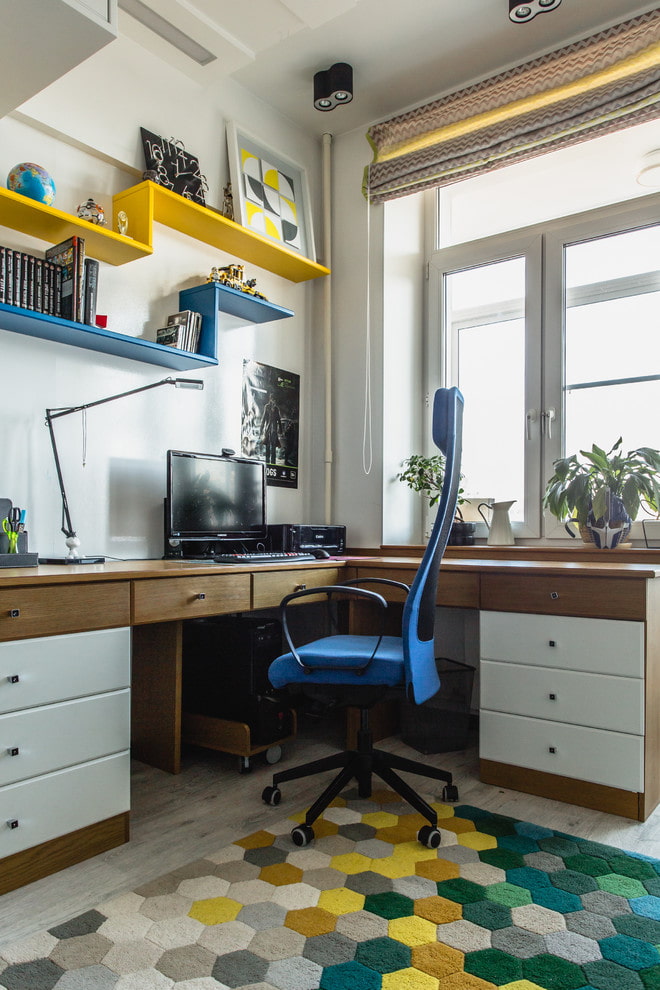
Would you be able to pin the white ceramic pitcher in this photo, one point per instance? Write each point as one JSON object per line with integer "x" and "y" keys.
{"x": 499, "y": 529}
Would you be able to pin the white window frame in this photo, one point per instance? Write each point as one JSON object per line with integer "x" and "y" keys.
{"x": 542, "y": 246}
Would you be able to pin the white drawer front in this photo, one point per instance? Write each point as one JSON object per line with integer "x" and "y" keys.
{"x": 61, "y": 802}
{"x": 55, "y": 668}
{"x": 55, "y": 736}
{"x": 613, "y": 758}
{"x": 604, "y": 646}
{"x": 598, "y": 700}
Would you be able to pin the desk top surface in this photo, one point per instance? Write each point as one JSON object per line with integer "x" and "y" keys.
{"x": 143, "y": 569}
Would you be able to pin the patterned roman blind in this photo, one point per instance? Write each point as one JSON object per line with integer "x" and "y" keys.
{"x": 600, "y": 84}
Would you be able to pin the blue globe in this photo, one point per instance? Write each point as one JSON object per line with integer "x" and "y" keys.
{"x": 32, "y": 181}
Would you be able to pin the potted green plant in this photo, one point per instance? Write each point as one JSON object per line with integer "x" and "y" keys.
{"x": 425, "y": 476}
{"x": 603, "y": 491}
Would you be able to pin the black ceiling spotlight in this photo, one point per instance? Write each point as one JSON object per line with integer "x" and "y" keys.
{"x": 521, "y": 11}
{"x": 333, "y": 86}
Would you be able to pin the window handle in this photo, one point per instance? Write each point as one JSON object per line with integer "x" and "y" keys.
{"x": 531, "y": 417}
{"x": 548, "y": 416}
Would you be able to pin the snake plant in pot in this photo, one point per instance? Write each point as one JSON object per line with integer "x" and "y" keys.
{"x": 425, "y": 475}
{"x": 603, "y": 491}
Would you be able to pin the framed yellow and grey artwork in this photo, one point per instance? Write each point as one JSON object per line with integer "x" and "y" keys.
{"x": 270, "y": 191}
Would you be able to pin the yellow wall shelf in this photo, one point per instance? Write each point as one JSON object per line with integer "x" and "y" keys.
{"x": 148, "y": 201}
{"x": 49, "y": 224}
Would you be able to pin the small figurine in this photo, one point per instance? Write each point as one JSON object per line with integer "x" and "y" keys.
{"x": 92, "y": 211}
{"x": 227, "y": 202}
{"x": 122, "y": 223}
{"x": 232, "y": 276}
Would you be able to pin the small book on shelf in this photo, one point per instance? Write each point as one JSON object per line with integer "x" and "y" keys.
{"x": 182, "y": 330}
{"x": 90, "y": 289}
{"x": 70, "y": 256}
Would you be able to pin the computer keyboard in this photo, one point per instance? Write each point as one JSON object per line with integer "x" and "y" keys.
{"x": 263, "y": 557}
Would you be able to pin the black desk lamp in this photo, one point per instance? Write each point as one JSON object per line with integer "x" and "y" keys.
{"x": 72, "y": 540}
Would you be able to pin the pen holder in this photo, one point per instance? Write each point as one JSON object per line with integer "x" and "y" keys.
{"x": 21, "y": 545}
{"x": 21, "y": 558}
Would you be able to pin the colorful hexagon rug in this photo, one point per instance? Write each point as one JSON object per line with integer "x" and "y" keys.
{"x": 501, "y": 903}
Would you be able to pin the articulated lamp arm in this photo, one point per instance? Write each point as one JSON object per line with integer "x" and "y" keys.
{"x": 72, "y": 540}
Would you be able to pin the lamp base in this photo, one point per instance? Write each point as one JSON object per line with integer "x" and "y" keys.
{"x": 72, "y": 560}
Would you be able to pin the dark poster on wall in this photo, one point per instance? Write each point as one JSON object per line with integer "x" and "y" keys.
{"x": 270, "y": 420}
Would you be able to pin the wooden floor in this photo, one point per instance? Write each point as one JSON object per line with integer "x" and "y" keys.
{"x": 177, "y": 819}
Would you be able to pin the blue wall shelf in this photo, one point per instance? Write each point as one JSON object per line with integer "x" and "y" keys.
{"x": 97, "y": 339}
{"x": 228, "y": 308}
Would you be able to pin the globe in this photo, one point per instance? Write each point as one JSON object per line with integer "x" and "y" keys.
{"x": 32, "y": 181}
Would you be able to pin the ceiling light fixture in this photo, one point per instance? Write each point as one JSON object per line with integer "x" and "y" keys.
{"x": 167, "y": 31}
{"x": 649, "y": 173}
{"x": 333, "y": 86}
{"x": 521, "y": 11}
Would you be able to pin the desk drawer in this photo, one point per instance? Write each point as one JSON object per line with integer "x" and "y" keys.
{"x": 604, "y": 646}
{"x": 165, "y": 599}
{"x": 56, "y": 736}
{"x": 608, "y": 597}
{"x": 47, "y": 610}
{"x": 61, "y": 802}
{"x": 455, "y": 589}
{"x": 615, "y": 703}
{"x": 56, "y": 668}
{"x": 612, "y": 758}
{"x": 270, "y": 587}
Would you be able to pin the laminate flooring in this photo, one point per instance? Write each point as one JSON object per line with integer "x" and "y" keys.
{"x": 177, "y": 819}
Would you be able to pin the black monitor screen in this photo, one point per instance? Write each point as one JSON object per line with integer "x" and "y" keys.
{"x": 211, "y": 497}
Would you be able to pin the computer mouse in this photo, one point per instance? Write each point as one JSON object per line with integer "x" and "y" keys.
{"x": 320, "y": 554}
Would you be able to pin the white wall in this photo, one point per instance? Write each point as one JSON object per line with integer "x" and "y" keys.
{"x": 84, "y": 129}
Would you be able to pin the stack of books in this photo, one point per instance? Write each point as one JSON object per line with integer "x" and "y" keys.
{"x": 182, "y": 330}
{"x": 63, "y": 283}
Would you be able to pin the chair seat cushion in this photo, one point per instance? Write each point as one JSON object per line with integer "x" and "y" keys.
{"x": 328, "y": 661}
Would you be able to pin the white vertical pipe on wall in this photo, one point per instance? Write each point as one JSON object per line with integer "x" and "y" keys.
{"x": 327, "y": 320}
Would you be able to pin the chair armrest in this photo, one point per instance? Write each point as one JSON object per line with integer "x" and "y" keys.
{"x": 329, "y": 590}
{"x": 376, "y": 580}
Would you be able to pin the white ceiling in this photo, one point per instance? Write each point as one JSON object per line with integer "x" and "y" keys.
{"x": 402, "y": 51}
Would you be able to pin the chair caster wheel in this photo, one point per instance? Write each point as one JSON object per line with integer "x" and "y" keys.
{"x": 271, "y": 795}
{"x": 450, "y": 792}
{"x": 244, "y": 765}
{"x": 273, "y": 754}
{"x": 302, "y": 835}
{"x": 429, "y": 836}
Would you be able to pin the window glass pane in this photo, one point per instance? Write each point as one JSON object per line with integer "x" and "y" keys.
{"x": 487, "y": 332}
{"x": 614, "y": 339}
{"x": 602, "y": 415}
{"x": 611, "y": 333}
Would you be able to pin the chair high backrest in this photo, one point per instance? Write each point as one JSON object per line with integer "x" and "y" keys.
{"x": 422, "y": 680}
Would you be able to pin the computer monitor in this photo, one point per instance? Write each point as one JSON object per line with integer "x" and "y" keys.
{"x": 214, "y": 497}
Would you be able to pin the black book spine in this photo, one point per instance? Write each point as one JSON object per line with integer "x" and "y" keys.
{"x": 17, "y": 278}
{"x": 28, "y": 276}
{"x": 9, "y": 277}
{"x": 91, "y": 288}
{"x": 39, "y": 284}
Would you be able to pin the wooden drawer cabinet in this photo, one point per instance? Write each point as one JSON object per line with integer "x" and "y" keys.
{"x": 270, "y": 587}
{"x": 51, "y": 737}
{"x": 64, "y": 739}
{"x": 165, "y": 599}
{"x": 55, "y": 668}
{"x": 52, "y": 805}
{"x": 563, "y": 704}
{"x": 63, "y": 608}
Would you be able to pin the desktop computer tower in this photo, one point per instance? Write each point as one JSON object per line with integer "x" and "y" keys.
{"x": 225, "y": 673}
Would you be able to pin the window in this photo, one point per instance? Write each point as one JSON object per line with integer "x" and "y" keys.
{"x": 552, "y": 333}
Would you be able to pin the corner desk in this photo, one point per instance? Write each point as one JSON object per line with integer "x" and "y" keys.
{"x": 570, "y": 673}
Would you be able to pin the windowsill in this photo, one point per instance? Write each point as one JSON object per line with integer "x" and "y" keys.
{"x": 581, "y": 552}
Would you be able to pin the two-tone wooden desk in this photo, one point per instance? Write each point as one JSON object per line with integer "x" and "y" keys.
{"x": 76, "y": 642}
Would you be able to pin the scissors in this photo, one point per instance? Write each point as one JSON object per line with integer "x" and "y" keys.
{"x": 12, "y": 526}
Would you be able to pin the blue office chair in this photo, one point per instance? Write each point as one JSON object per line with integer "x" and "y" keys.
{"x": 366, "y": 667}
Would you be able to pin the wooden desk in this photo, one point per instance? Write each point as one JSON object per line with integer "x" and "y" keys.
{"x": 58, "y": 608}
